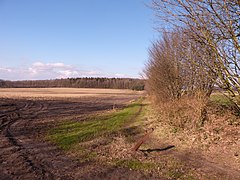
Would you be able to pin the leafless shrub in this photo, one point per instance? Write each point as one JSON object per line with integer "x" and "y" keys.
{"x": 175, "y": 70}
{"x": 178, "y": 81}
{"x": 184, "y": 113}
{"x": 214, "y": 24}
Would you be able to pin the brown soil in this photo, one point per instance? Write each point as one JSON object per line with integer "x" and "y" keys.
{"x": 25, "y": 155}
{"x": 210, "y": 152}
{"x": 192, "y": 160}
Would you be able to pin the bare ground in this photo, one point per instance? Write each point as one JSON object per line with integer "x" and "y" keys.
{"x": 23, "y": 153}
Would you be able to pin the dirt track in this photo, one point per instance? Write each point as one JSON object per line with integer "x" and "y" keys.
{"x": 23, "y": 153}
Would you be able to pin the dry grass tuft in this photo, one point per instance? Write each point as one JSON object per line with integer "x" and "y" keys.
{"x": 184, "y": 113}
{"x": 118, "y": 149}
{"x": 180, "y": 123}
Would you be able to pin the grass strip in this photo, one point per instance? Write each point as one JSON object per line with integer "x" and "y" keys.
{"x": 69, "y": 133}
{"x": 135, "y": 164}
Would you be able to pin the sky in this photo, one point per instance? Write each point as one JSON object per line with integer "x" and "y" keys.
{"x": 48, "y": 39}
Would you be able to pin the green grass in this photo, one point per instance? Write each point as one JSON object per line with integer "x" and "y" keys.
{"x": 224, "y": 103}
{"x": 169, "y": 168}
{"x": 135, "y": 164}
{"x": 70, "y": 133}
{"x": 220, "y": 99}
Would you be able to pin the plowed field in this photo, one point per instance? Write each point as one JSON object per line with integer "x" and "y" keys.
{"x": 26, "y": 114}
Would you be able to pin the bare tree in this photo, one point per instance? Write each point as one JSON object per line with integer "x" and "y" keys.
{"x": 215, "y": 24}
{"x": 175, "y": 68}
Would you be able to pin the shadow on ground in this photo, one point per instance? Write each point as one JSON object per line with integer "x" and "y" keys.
{"x": 157, "y": 149}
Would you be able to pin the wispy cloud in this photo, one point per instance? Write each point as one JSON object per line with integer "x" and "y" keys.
{"x": 5, "y": 70}
{"x": 40, "y": 70}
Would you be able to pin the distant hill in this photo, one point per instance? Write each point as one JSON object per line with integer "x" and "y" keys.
{"x": 87, "y": 82}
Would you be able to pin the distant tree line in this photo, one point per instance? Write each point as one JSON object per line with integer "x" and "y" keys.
{"x": 86, "y": 82}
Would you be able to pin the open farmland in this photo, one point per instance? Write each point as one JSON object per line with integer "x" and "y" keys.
{"x": 26, "y": 115}
{"x": 70, "y": 133}
{"x": 51, "y": 93}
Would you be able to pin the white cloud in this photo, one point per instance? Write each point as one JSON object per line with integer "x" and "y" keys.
{"x": 68, "y": 73}
{"x": 120, "y": 75}
{"x": 6, "y": 70}
{"x": 41, "y": 65}
{"x": 40, "y": 70}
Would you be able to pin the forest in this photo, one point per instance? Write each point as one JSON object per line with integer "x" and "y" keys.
{"x": 86, "y": 82}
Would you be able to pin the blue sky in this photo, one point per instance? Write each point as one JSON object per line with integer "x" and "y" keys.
{"x": 46, "y": 39}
